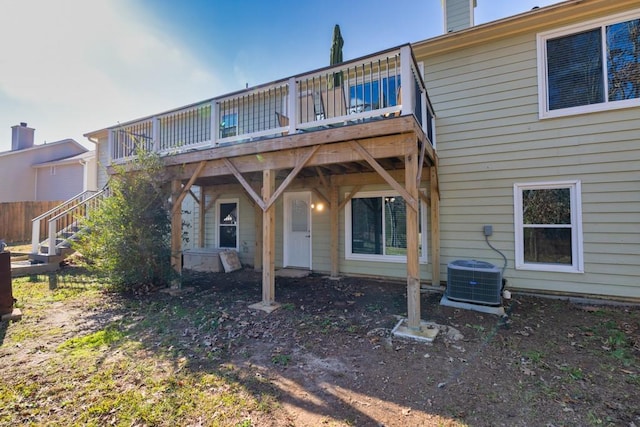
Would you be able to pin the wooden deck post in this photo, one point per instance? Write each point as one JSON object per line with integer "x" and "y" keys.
{"x": 335, "y": 218}
{"x": 413, "y": 255}
{"x": 268, "y": 239}
{"x": 176, "y": 228}
{"x": 435, "y": 226}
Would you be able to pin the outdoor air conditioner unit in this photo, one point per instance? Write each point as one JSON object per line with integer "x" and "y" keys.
{"x": 476, "y": 282}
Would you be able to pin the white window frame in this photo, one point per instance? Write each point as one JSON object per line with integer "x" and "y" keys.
{"x": 218, "y": 224}
{"x": 577, "y": 257}
{"x": 543, "y": 99}
{"x": 386, "y": 258}
{"x": 229, "y": 113}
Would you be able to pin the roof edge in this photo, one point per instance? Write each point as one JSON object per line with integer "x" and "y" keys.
{"x": 535, "y": 19}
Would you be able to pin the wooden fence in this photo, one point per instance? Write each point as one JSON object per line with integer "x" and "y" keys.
{"x": 15, "y": 219}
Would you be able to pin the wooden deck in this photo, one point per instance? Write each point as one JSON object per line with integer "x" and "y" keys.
{"x": 393, "y": 151}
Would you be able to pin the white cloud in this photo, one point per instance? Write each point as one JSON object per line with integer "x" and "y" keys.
{"x": 73, "y": 66}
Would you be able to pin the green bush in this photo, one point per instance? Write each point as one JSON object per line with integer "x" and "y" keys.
{"x": 127, "y": 237}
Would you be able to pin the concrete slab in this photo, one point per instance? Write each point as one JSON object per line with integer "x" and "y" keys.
{"x": 294, "y": 273}
{"x": 15, "y": 315}
{"x": 267, "y": 308}
{"x": 498, "y": 311}
{"x": 426, "y": 332}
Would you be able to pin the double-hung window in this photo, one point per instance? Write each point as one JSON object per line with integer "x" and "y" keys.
{"x": 227, "y": 216}
{"x": 590, "y": 67}
{"x": 376, "y": 227}
{"x": 548, "y": 226}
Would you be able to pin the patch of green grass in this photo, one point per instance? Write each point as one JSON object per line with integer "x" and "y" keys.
{"x": 104, "y": 337}
{"x": 534, "y": 355}
{"x": 374, "y": 307}
{"x": 35, "y": 289}
{"x": 478, "y": 328}
{"x": 575, "y": 373}
{"x": 288, "y": 306}
{"x": 280, "y": 359}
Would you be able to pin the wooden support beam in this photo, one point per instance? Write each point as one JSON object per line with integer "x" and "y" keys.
{"x": 423, "y": 145}
{"x": 327, "y": 154}
{"x": 390, "y": 128}
{"x": 412, "y": 201}
{"x": 185, "y": 190}
{"x": 424, "y": 198}
{"x": 247, "y": 187}
{"x": 413, "y": 252}
{"x": 321, "y": 196}
{"x": 284, "y": 184}
{"x": 335, "y": 230}
{"x": 368, "y": 178}
{"x": 349, "y": 196}
{"x": 323, "y": 179}
{"x": 176, "y": 228}
{"x": 435, "y": 227}
{"x": 196, "y": 198}
{"x": 268, "y": 239}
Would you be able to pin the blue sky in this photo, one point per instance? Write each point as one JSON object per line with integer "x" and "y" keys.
{"x": 68, "y": 67}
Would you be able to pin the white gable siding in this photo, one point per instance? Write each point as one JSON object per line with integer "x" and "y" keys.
{"x": 490, "y": 137}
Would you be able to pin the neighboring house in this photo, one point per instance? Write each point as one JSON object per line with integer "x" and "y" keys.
{"x": 54, "y": 171}
{"x": 537, "y": 123}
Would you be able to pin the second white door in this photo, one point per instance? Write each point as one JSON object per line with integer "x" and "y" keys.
{"x": 297, "y": 229}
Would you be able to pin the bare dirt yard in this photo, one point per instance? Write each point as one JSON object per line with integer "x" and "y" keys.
{"x": 84, "y": 356}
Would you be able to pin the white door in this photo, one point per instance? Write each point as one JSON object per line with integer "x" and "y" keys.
{"x": 297, "y": 230}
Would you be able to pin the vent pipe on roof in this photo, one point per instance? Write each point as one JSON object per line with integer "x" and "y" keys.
{"x": 458, "y": 14}
{"x": 21, "y": 136}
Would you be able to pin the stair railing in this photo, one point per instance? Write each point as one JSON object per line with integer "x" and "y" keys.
{"x": 63, "y": 221}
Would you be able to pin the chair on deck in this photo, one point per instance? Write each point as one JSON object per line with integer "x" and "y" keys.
{"x": 334, "y": 102}
{"x": 283, "y": 121}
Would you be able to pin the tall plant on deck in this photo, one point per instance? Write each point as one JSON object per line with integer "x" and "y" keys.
{"x": 128, "y": 235}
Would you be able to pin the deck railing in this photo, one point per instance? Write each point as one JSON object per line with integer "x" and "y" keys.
{"x": 375, "y": 87}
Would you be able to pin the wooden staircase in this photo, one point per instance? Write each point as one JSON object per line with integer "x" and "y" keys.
{"x": 63, "y": 227}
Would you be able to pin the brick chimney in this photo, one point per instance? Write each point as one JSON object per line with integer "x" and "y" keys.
{"x": 458, "y": 14}
{"x": 21, "y": 137}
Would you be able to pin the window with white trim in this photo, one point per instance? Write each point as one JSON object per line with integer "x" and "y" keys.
{"x": 590, "y": 67}
{"x": 227, "y": 223}
{"x": 229, "y": 125}
{"x": 375, "y": 224}
{"x": 548, "y": 226}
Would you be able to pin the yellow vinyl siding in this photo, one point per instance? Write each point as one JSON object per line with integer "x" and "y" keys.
{"x": 490, "y": 137}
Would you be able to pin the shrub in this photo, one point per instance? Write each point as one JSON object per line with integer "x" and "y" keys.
{"x": 128, "y": 235}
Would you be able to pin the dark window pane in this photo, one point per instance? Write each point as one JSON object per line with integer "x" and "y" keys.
{"x": 395, "y": 226}
{"x": 575, "y": 70}
{"x": 228, "y": 213}
{"x": 623, "y": 60}
{"x": 547, "y": 245}
{"x": 366, "y": 226}
{"x": 546, "y": 206}
{"x": 228, "y": 236}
